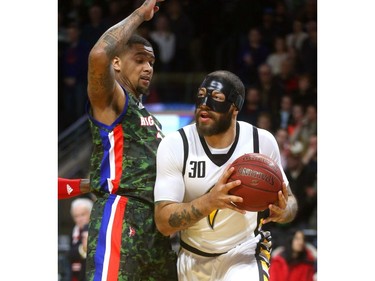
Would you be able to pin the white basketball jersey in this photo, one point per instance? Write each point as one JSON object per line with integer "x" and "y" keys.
{"x": 184, "y": 179}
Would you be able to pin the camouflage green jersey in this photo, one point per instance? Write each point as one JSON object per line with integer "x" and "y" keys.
{"x": 124, "y": 243}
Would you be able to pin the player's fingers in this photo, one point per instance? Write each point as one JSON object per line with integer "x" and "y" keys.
{"x": 281, "y": 200}
{"x": 232, "y": 184}
{"x": 234, "y": 207}
{"x": 235, "y": 199}
{"x": 226, "y": 175}
{"x": 285, "y": 191}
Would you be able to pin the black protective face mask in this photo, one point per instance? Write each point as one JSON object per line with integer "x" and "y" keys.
{"x": 219, "y": 84}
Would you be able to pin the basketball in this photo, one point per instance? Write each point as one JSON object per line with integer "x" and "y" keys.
{"x": 261, "y": 180}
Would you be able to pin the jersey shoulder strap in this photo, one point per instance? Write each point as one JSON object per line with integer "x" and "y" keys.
{"x": 256, "y": 139}
{"x": 186, "y": 148}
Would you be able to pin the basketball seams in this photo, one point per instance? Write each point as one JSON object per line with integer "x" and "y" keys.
{"x": 264, "y": 173}
{"x": 262, "y": 167}
{"x": 259, "y": 170}
{"x": 260, "y": 163}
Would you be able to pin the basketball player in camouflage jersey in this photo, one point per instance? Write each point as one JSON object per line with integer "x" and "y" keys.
{"x": 218, "y": 240}
{"x": 123, "y": 242}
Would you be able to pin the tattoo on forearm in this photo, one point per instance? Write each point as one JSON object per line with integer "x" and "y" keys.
{"x": 184, "y": 218}
{"x": 196, "y": 212}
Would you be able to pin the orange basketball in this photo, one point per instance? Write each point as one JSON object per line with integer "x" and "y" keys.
{"x": 261, "y": 180}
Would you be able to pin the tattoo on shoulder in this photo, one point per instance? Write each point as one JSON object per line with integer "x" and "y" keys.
{"x": 184, "y": 218}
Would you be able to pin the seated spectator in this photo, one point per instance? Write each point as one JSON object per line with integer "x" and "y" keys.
{"x": 296, "y": 261}
{"x": 80, "y": 211}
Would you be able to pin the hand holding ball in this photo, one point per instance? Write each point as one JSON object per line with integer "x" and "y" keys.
{"x": 261, "y": 180}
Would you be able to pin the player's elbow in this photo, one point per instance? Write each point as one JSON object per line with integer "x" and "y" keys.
{"x": 98, "y": 56}
{"x": 166, "y": 231}
{"x": 163, "y": 226}
{"x": 161, "y": 221}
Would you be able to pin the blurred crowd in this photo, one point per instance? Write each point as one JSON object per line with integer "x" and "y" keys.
{"x": 270, "y": 44}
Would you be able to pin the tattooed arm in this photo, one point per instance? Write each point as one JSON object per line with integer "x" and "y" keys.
{"x": 171, "y": 217}
{"x": 105, "y": 94}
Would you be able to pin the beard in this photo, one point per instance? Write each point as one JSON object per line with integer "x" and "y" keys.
{"x": 221, "y": 124}
{"x": 142, "y": 91}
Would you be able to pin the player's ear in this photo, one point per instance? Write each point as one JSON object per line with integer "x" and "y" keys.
{"x": 116, "y": 63}
{"x": 235, "y": 110}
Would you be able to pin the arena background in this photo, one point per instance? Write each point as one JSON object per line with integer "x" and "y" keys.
{"x": 42, "y": 214}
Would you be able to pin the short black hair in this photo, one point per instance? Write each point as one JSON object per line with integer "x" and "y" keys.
{"x": 137, "y": 39}
{"x": 235, "y": 81}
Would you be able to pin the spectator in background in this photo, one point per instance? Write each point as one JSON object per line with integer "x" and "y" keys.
{"x": 253, "y": 53}
{"x": 295, "y": 261}
{"x": 265, "y": 121}
{"x": 271, "y": 90}
{"x": 279, "y": 54}
{"x": 76, "y": 11}
{"x": 281, "y": 18}
{"x": 96, "y": 26}
{"x": 310, "y": 157}
{"x": 306, "y": 128}
{"x": 305, "y": 94}
{"x": 308, "y": 11}
{"x": 165, "y": 40}
{"x": 287, "y": 76}
{"x": 267, "y": 28}
{"x": 297, "y": 36}
{"x": 115, "y": 12}
{"x": 74, "y": 72}
{"x": 252, "y": 106}
{"x": 303, "y": 184}
{"x": 80, "y": 210}
{"x": 183, "y": 28}
{"x": 308, "y": 55}
{"x": 282, "y": 139}
{"x": 298, "y": 115}
{"x": 283, "y": 117}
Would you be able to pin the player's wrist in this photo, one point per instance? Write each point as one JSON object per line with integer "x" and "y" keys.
{"x": 289, "y": 213}
{"x": 68, "y": 188}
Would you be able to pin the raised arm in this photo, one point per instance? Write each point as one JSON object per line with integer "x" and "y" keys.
{"x": 105, "y": 95}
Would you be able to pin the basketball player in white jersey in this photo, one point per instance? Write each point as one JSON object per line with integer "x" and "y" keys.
{"x": 218, "y": 240}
